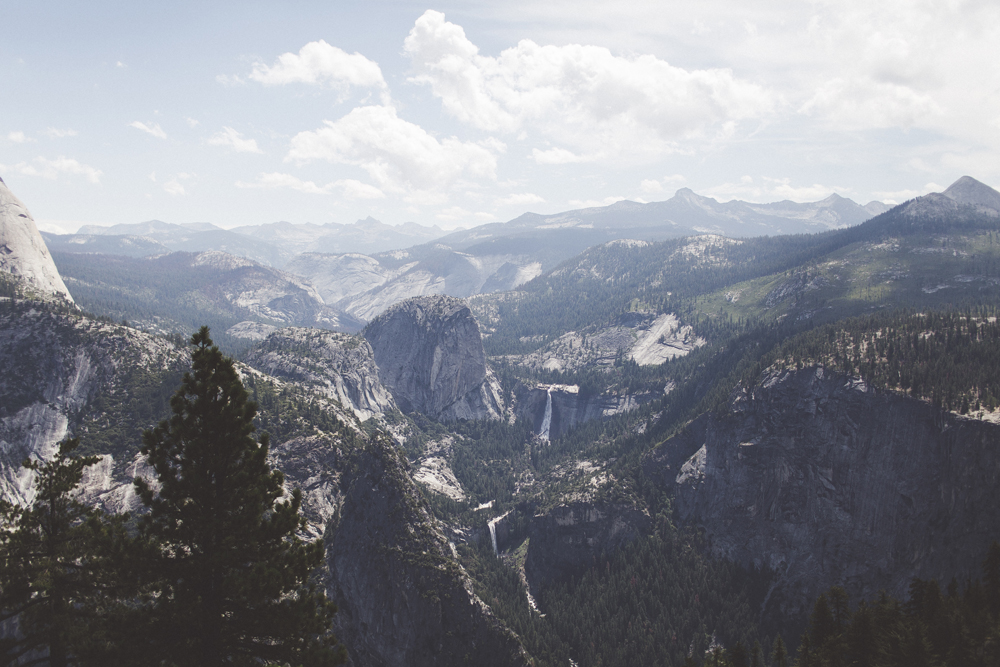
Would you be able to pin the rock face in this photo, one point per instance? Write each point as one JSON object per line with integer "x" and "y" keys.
{"x": 970, "y": 192}
{"x": 402, "y": 598}
{"x": 827, "y": 482}
{"x": 22, "y": 251}
{"x": 429, "y": 354}
{"x": 340, "y": 365}
{"x": 965, "y": 192}
{"x": 56, "y": 366}
{"x": 647, "y": 338}
{"x": 566, "y": 407}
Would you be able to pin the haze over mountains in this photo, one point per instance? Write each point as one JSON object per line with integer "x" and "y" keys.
{"x": 822, "y": 408}
{"x": 276, "y": 243}
{"x": 362, "y": 269}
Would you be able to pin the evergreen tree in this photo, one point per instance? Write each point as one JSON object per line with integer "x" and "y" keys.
{"x": 231, "y": 576}
{"x": 779, "y": 653}
{"x": 47, "y": 576}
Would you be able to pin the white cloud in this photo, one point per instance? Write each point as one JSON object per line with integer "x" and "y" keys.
{"x": 18, "y": 138}
{"x": 52, "y": 169}
{"x": 120, "y": 64}
{"x": 174, "y": 187}
{"x": 153, "y": 129}
{"x": 56, "y": 133}
{"x": 192, "y": 123}
{"x": 348, "y": 187}
{"x": 58, "y": 226}
{"x": 319, "y": 63}
{"x": 353, "y": 189}
{"x": 592, "y": 203}
{"x": 227, "y": 136}
{"x": 899, "y": 196}
{"x": 457, "y": 213}
{"x": 583, "y": 97}
{"x": 398, "y": 155}
{"x": 651, "y": 185}
{"x": 864, "y": 104}
{"x": 556, "y": 156}
{"x": 520, "y": 199}
{"x": 230, "y": 81}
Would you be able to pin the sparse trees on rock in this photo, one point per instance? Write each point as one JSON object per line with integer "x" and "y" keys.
{"x": 50, "y": 570}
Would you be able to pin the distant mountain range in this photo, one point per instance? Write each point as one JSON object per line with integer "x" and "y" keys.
{"x": 548, "y": 238}
{"x": 490, "y": 258}
{"x": 273, "y": 244}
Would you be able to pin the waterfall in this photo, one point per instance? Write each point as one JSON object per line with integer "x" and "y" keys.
{"x": 493, "y": 530}
{"x": 547, "y": 417}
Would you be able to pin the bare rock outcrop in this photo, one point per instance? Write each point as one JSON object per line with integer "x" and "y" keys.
{"x": 340, "y": 365}
{"x": 22, "y": 250}
{"x": 554, "y": 409}
{"x": 429, "y": 354}
{"x": 62, "y": 375}
{"x": 827, "y": 481}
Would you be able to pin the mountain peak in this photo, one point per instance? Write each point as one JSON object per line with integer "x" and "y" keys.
{"x": 369, "y": 223}
{"x": 23, "y": 252}
{"x": 970, "y": 192}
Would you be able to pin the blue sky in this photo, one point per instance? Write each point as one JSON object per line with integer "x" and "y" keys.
{"x": 460, "y": 113}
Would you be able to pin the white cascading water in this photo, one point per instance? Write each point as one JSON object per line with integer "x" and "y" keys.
{"x": 547, "y": 417}
{"x": 493, "y": 535}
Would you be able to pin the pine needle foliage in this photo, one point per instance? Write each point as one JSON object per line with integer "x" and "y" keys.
{"x": 230, "y": 579}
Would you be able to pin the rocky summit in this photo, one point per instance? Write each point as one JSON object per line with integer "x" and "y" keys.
{"x": 429, "y": 354}
{"x": 23, "y": 253}
{"x": 341, "y": 365}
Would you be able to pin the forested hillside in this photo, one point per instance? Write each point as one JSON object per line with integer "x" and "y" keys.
{"x": 795, "y": 377}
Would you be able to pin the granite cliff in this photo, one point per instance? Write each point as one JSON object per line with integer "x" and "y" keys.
{"x": 429, "y": 354}
{"x": 23, "y": 253}
{"x": 340, "y": 365}
{"x": 827, "y": 481}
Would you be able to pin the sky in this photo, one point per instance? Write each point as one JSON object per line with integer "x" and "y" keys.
{"x": 460, "y": 113}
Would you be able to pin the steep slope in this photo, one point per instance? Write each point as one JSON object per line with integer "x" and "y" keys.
{"x": 366, "y": 286}
{"x": 403, "y": 598}
{"x": 339, "y": 365}
{"x": 181, "y": 291}
{"x": 503, "y": 256}
{"x": 828, "y": 482}
{"x": 23, "y": 253}
{"x": 429, "y": 354}
{"x": 67, "y": 374}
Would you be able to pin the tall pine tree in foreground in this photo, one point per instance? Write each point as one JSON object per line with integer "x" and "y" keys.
{"x": 231, "y": 576}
